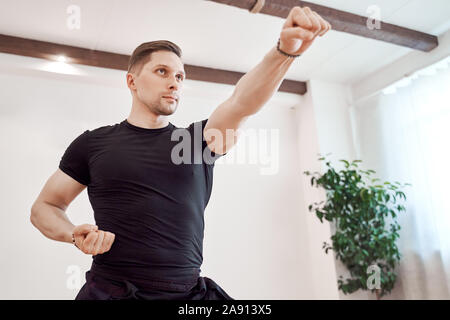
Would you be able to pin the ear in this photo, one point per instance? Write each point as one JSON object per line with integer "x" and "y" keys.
{"x": 130, "y": 81}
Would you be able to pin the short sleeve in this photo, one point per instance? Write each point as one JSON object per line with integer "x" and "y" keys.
{"x": 196, "y": 131}
{"x": 75, "y": 161}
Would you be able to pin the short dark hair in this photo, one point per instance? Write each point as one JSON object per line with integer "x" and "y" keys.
{"x": 142, "y": 54}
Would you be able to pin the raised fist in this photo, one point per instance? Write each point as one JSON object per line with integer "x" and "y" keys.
{"x": 300, "y": 29}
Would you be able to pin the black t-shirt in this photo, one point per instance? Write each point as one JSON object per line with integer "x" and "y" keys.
{"x": 138, "y": 191}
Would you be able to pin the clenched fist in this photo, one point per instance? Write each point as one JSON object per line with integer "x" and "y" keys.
{"x": 300, "y": 29}
{"x": 90, "y": 240}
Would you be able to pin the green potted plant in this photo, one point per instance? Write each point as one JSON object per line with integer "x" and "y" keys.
{"x": 360, "y": 208}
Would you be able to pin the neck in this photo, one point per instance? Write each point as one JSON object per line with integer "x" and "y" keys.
{"x": 141, "y": 116}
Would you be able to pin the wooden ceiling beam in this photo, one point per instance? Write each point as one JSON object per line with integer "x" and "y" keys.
{"x": 345, "y": 22}
{"x": 51, "y": 51}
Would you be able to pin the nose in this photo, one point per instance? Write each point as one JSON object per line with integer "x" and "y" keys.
{"x": 174, "y": 84}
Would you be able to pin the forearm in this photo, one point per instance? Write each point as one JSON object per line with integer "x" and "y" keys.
{"x": 52, "y": 222}
{"x": 258, "y": 85}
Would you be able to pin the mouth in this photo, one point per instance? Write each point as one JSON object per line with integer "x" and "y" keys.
{"x": 170, "y": 98}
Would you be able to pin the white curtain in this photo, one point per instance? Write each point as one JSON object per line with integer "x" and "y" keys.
{"x": 403, "y": 133}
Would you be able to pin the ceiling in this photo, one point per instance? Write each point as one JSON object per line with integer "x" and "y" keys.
{"x": 220, "y": 36}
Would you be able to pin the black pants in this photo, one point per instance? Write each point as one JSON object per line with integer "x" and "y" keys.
{"x": 98, "y": 287}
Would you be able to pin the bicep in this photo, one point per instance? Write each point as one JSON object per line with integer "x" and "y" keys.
{"x": 60, "y": 190}
{"x": 225, "y": 117}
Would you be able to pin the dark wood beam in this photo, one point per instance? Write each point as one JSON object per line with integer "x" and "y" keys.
{"x": 232, "y": 77}
{"x": 346, "y": 22}
{"x": 51, "y": 51}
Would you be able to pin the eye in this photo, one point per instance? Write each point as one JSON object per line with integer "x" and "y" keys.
{"x": 180, "y": 77}
{"x": 161, "y": 69}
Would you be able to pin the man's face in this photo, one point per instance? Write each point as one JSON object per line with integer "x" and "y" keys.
{"x": 162, "y": 76}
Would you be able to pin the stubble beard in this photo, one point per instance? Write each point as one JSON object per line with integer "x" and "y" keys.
{"x": 163, "y": 108}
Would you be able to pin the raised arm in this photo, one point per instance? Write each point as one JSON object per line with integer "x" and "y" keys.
{"x": 258, "y": 85}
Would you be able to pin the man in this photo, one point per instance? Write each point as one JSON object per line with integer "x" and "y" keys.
{"x": 147, "y": 193}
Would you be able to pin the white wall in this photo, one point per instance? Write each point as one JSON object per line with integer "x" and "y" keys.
{"x": 257, "y": 243}
{"x": 333, "y": 118}
{"x": 323, "y": 273}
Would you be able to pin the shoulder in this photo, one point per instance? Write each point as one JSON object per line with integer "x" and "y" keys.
{"x": 103, "y": 130}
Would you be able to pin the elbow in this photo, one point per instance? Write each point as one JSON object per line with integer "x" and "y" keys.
{"x": 34, "y": 213}
{"x": 243, "y": 108}
{"x": 247, "y": 106}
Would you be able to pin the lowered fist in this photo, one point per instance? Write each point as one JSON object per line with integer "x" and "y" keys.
{"x": 300, "y": 29}
{"x": 90, "y": 240}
